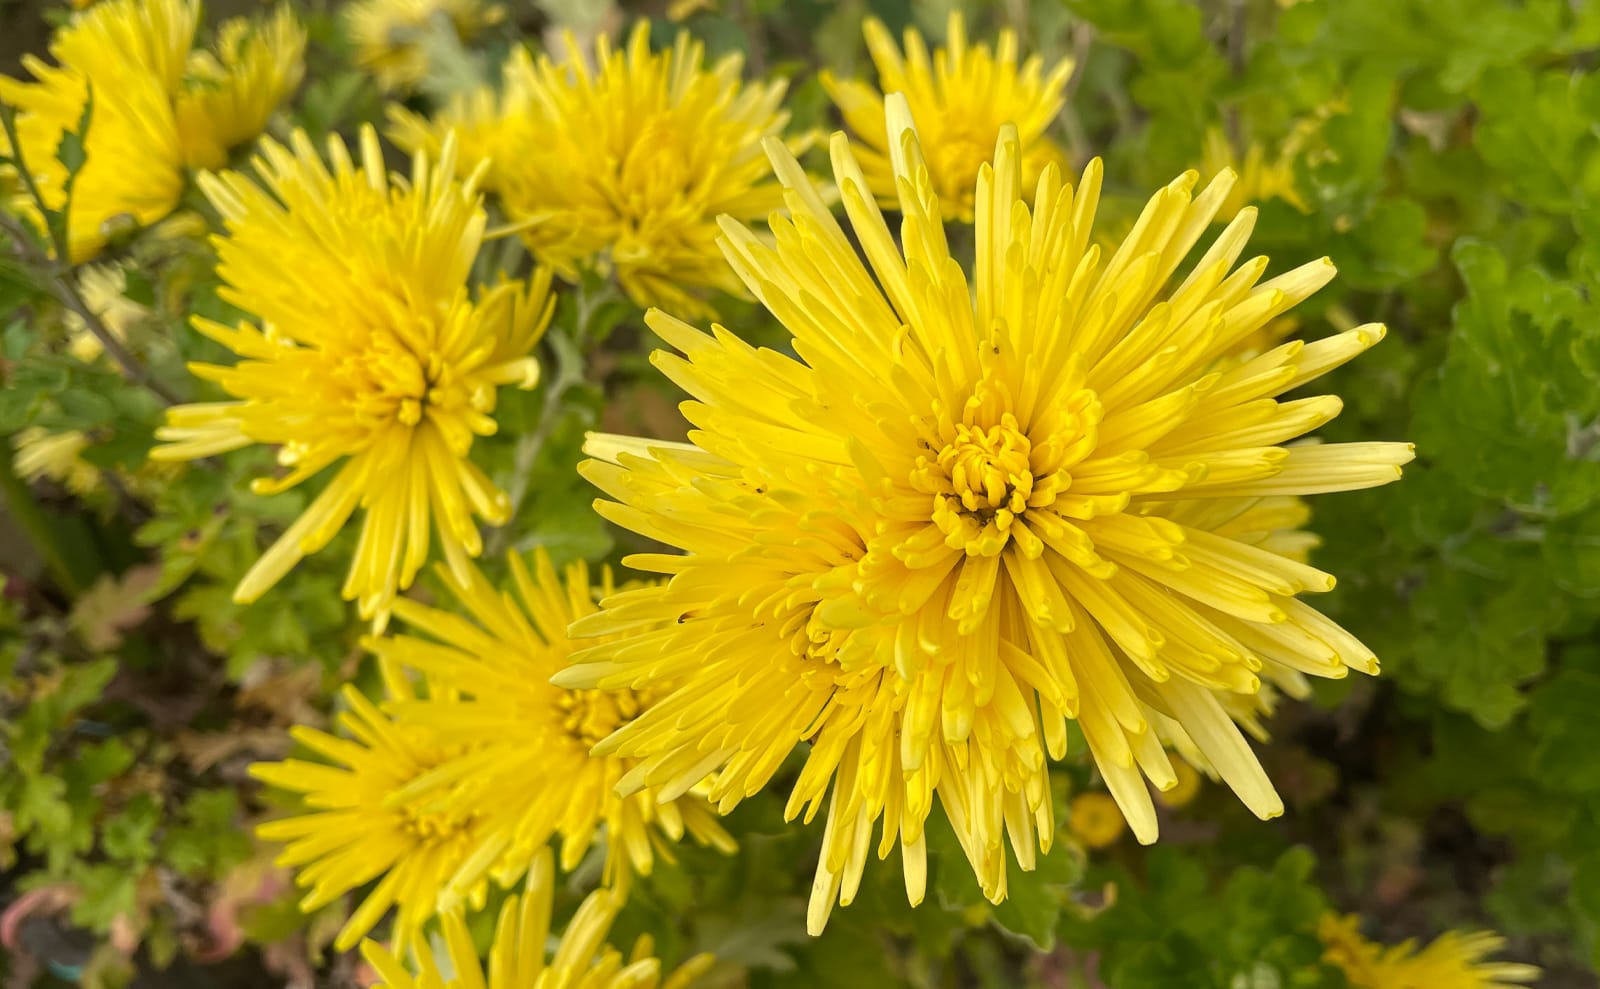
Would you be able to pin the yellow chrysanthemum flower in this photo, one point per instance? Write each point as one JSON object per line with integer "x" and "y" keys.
{"x": 128, "y": 56}
{"x": 493, "y": 128}
{"x": 392, "y": 36}
{"x": 524, "y": 764}
{"x": 520, "y": 957}
{"x": 369, "y": 354}
{"x": 626, "y": 167}
{"x": 1259, "y": 178}
{"x": 960, "y": 97}
{"x": 228, "y": 95}
{"x": 1454, "y": 960}
{"x": 356, "y": 829}
{"x": 970, "y": 511}
{"x": 56, "y": 457}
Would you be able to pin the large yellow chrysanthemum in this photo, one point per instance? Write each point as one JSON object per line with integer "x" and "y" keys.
{"x": 960, "y": 97}
{"x": 626, "y": 167}
{"x": 524, "y": 762}
{"x": 369, "y": 354}
{"x": 356, "y": 830}
{"x": 129, "y": 54}
{"x": 520, "y": 956}
{"x": 229, "y": 94}
{"x": 1454, "y": 960}
{"x": 970, "y": 511}
{"x": 392, "y": 36}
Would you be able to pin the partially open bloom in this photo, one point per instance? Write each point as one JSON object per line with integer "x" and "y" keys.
{"x": 524, "y": 765}
{"x": 229, "y": 94}
{"x": 369, "y": 354}
{"x": 520, "y": 957}
{"x": 625, "y": 167}
{"x": 971, "y": 510}
{"x": 355, "y": 831}
{"x": 1454, "y": 960}
{"x": 961, "y": 95}
{"x": 392, "y": 37}
{"x": 127, "y": 57}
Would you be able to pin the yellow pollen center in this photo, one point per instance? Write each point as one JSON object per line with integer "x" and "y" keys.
{"x": 588, "y": 716}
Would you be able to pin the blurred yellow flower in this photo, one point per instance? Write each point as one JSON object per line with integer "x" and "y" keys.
{"x": 369, "y": 354}
{"x": 1187, "y": 787}
{"x": 524, "y": 764}
{"x": 41, "y": 454}
{"x": 228, "y": 95}
{"x": 625, "y": 167}
{"x": 355, "y": 830}
{"x": 960, "y": 97}
{"x": 103, "y": 288}
{"x": 521, "y": 957}
{"x": 1454, "y": 960}
{"x": 1260, "y": 179}
{"x": 990, "y": 498}
{"x": 128, "y": 57}
{"x": 493, "y": 127}
{"x": 1095, "y": 820}
{"x": 392, "y": 37}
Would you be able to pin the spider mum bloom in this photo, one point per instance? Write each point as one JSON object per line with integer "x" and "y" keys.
{"x": 229, "y": 94}
{"x": 1454, "y": 960}
{"x": 369, "y": 354}
{"x": 524, "y": 761}
{"x": 625, "y": 167}
{"x": 126, "y": 56}
{"x": 355, "y": 828}
{"x": 519, "y": 958}
{"x": 970, "y": 511}
{"x": 961, "y": 95}
{"x": 392, "y": 37}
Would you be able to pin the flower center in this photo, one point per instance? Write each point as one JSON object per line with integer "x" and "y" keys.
{"x": 988, "y": 470}
{"x": 431, "y": 827}
{"x": 587, "y": 716}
